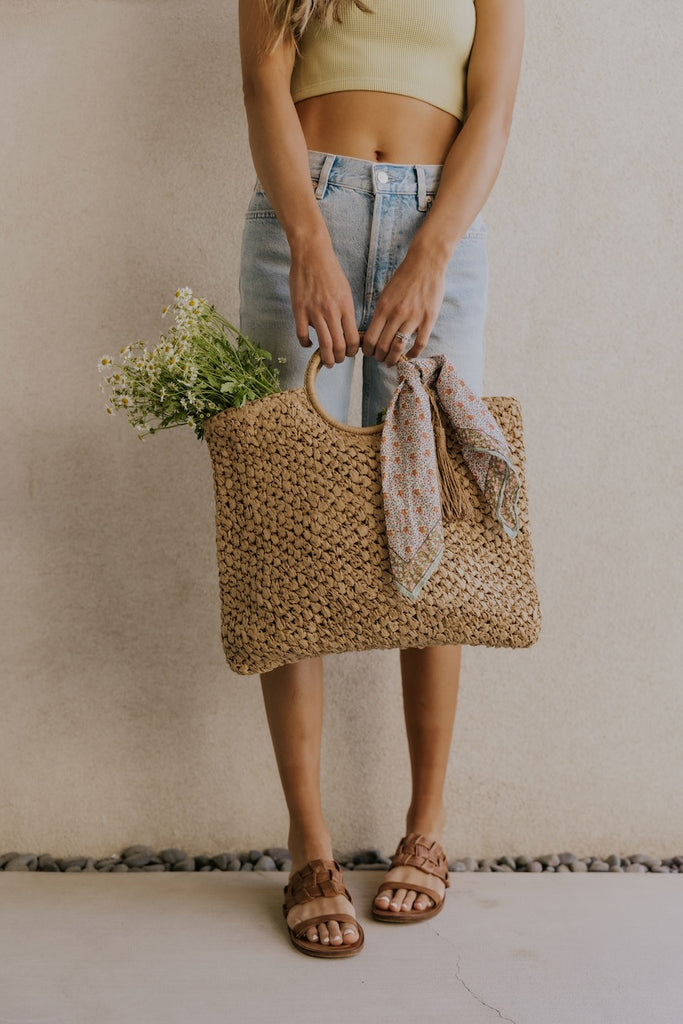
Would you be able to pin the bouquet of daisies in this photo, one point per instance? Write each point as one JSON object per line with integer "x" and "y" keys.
{"x": 201, "y": 366}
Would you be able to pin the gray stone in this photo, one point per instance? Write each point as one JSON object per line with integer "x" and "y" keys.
{"x": 503, "y": 867}
{"x": 550, "y": 867}
{"x": 369, "y": 867}
{"x": 599, "y": 865}
{"x": 523, "y": 861}
{"x": 567, "y": 858}
{"x": 138, "y": 860}
{"x": 17, "y": 864}
{"x": 286, "y": 865}
{"x": 459, "y": 865}
{"x": 265, "y": 863}
{"x": 366, "y": 857}
{"x": 47, "y": 863}
{"x": 247, "y": 866}
{"x": 614, "y": 860}
{"x": 616, "y": 867}
{"x": 182, "y": 865}
{"x": 535, "y": 865}
{"x": 563, "y": 867}
{"x": 578, "y": 865}
{"x": 120, "y": 867}
{"x": 100, "y": 864}
{"x": 90, "y": 864}
{"x": 234, "y": 864}
{"x": 202, "y": 860}
{"x": 549, "y": 860}
{"x": 70, "y": 862}
{"x": 135, "y": 851}
{"x": 207, "y": 867}
{"x": 640, "y": 858}
{"x": 634, "y": 868}
{"x": 509, "y": 861}
{"x": 5, "y": 858}
{"x": 660, "y": 869}
{"x": 172, "y": 856}
{"x": 155, "y": 867}
{"x": 277, "y": 853}
{"x": 221, "y": 861}
{"x": 72, "y": 867}
{"x": 255, "y": 856}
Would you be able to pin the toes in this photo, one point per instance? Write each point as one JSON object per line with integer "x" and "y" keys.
{"x": 349, "y": 933}
{"x": 335, "y": 933}
{"x": 422, "y": 902}
{"x": 409, "y": 900}
{"x": 398, "y": 898}
{"x": 312, "y": 934}
{"x": 383, "y": 899}
{"x": 324, "y": 933}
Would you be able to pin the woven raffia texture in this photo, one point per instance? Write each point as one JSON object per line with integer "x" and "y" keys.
{"x": 302, "y": 550}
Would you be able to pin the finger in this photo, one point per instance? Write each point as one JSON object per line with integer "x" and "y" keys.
{"x": 351, "y": 334}
{"x": 334, "y": 325}
{"x": 301, "y": 325}
{"x": 394, "y": 345}
{"x": 371, "y": 336}
{"x": 325, "y": 344}
{"x": 420, "y": 342}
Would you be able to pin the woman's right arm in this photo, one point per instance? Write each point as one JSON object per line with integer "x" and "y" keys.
{"x": 321, "y": 295}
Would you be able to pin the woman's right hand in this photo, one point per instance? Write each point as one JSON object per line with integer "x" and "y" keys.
{"x": 322, "y": 299}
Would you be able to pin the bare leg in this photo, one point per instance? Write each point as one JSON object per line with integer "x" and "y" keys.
{"x": 293, "y": 696}
{"x": 430, "y": 678}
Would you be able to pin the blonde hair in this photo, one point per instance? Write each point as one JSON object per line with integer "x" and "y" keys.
{"x": 287, "y": 19}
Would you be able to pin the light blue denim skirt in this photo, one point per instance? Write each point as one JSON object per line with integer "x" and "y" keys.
{"x": 372, "y": 211}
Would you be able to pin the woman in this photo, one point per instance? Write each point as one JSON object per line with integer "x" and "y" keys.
{"x": 377, "y": 132}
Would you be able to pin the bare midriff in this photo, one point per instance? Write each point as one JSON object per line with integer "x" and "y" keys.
{"x": 379, "y": 126}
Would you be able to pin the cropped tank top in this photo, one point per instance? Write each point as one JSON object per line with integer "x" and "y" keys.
{"x": 418, "y": 48}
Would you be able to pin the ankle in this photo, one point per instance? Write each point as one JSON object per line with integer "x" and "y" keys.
{"x": 427, "y": 820}
{"x": 309, "y": 842}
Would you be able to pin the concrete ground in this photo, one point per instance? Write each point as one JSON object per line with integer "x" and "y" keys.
{"x": 210, "y": 947}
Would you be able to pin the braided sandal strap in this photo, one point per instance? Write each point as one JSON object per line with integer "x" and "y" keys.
{"x": 416, "y": 851}
{"x": 317, "y": 878}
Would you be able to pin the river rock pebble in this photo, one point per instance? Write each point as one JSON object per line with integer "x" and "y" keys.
{"x": 139, "y": 857}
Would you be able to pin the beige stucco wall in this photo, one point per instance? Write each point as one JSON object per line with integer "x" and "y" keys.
{"x": 126, "y": 172}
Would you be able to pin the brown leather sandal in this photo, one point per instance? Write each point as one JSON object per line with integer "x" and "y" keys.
{"x": 429, "y": 856}
{"x": 319, "y": 878}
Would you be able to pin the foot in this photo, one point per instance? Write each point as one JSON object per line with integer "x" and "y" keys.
{"x": 403, "y": 897}
{"x": 331, "y": 932}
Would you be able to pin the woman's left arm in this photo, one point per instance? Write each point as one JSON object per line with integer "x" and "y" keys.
{"x": 412, "y": 299}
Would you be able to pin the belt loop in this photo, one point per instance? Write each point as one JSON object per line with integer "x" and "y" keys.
{"x": 324, "y": 175}
{"x": 422, "y": 203}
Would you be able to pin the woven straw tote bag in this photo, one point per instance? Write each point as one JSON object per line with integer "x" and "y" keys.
{"x": 303, "y": 561}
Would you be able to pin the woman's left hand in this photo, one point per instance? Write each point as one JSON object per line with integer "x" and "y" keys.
{"x": 410, "y": 303}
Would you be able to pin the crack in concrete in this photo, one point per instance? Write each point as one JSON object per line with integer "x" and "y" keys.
{"x": 478, "y": 998}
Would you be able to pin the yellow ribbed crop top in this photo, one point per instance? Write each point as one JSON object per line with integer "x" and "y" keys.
{"x": 417, "y": 48}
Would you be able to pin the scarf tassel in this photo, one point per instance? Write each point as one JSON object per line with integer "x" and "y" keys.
{"x": 455, "y": 500}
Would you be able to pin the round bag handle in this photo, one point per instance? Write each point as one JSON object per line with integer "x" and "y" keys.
{"x": 314, "y": 366}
